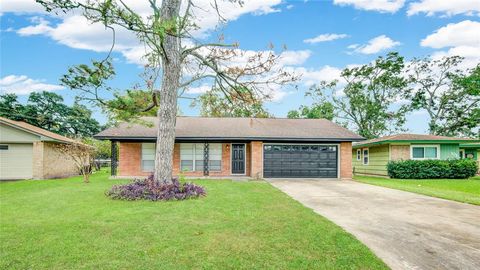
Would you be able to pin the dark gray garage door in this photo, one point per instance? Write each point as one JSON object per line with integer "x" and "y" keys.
{"x": 304, "y": 161}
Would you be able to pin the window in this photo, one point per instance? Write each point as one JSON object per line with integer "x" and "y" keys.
{"x": 365, "y": 156}
{"x": 192, "y": 156}
{"x": 3, "y": 147}
{"x": 359, "y": 154}
{"x": 215, "y": 157}
{"x": 148, "y": 157}
{"x": 462, "y": 153}
{"x": 424, "y": 151}
{"x": 186, "y": 156}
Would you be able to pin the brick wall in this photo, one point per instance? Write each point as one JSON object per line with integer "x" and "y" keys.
{"x": 49, "y": 163}
{"x": 56, "y": 164}
{"x": 130, "y": 161}
{"x": 346, "y": 160}
{"x": 398, "y": 152}
{"x": 257, "y": 159}
{"x": 37, "y": 168}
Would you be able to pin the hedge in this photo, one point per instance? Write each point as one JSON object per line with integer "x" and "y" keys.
{"x": 432, "y": 169}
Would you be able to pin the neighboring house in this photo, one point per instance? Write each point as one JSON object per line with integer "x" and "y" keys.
{"x": 28, "y": 152}
{"x": 371, "y": 157}
{"x": 471, "y": 150}
{"x": 252, "y": 147}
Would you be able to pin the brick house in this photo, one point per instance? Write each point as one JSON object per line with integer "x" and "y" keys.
{"x": 251, "y": 147}
{"x": 30, "y": 152}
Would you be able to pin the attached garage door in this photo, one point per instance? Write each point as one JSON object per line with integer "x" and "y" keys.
{"x": 300, "y": 161}
{"x": 16, "y": 161}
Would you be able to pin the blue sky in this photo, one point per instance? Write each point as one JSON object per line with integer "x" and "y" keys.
{"x": 37, "y": 48}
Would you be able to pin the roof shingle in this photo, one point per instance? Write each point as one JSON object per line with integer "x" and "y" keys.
{"x": 36, "y": 130}
{"x": 410, "y": 137}
{"x": 237, "y": 128}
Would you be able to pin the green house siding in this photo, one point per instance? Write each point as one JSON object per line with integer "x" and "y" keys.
{"x": 449, "y": 151}
{"x": 378, "y": 159}
{"x": 474, "y": 152}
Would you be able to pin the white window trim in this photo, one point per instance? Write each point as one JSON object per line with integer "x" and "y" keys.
{"x": 359, "y": 154}
{"x": 194, "y": 159}
{"x": 363, "y": 156}
{"x": 424, "y": 145}
{"x": 141, "y": 156}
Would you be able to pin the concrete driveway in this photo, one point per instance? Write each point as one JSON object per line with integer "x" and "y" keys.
{"x": 406, "y": 230}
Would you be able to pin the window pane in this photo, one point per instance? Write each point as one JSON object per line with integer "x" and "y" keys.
{"x": 199, "y": 165}
{"x": 215, "y": 165}
{"x": 430, "y": 152}
{"x": 418, "y": 152}
{"x": 199, "y": 150}
{"x": 186, "y": 165}
{"x": 148, "y": 165}
{"x": 186, "y": 151}
{"x": 148, "y": 157}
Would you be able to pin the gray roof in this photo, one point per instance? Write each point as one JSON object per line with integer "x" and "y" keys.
{"x": 418, "y": 138}
{"x": 210, "y": 128}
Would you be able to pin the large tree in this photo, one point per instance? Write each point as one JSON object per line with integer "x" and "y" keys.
{"x": 365, "y": 96}
{"x": 48, "y": 111}
{"x": 450, "y": 96}
{"x": 176, "y": 57}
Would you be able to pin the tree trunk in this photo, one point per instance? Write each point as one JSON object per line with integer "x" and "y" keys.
{"x": 167, "y": 109}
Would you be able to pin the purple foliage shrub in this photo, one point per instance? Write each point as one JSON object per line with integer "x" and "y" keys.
{"x": 149, "y": 189}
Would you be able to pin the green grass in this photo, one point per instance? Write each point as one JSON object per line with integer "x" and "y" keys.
{"x": 66, "y": 224}
{"x": 467, "y": 191}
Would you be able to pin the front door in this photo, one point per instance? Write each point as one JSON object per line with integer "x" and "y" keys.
{"x": 238, "y": 158}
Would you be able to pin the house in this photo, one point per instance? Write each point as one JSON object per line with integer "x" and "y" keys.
{"x": 224, "y": 147}
{"x": 370, "y": 157}
{"x": 29, "y": 152}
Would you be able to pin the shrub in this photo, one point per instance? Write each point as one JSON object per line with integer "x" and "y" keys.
{"x": 149, "y": 189}
{"x": 432, "y": 169}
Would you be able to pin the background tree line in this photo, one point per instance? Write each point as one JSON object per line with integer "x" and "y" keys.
{"x": 374, "y": 99}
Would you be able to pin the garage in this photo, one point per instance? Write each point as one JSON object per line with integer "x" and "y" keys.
{"x": 16, "y": 161}
{"x": 300, "y": 161}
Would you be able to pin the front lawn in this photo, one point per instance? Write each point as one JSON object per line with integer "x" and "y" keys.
{"x": 66, "y": 224}
{"x": 467, "y": 191}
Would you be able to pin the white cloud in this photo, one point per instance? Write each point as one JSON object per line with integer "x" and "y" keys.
{"x": 21, "y": 6}
{"x": 314, "y": 76}
{"x": 465, "y": 33}
{"x": 324, "y": 37}
{"x": 22, "y": 85}
{"x": 445, "y": 7}
{"x": 462, "y": 39}
{"x": 294, "y": 58}
{"x": 384, "y": 6}
{"x": 75, "y": 31}
{"x": 375, "y": 45}
{"x": 202, "y": 89}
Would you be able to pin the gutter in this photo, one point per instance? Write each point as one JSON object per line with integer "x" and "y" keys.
{"x": 124, "y": 138}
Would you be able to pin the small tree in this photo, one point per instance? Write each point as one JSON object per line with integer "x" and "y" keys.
{"x": 81, "y": 154}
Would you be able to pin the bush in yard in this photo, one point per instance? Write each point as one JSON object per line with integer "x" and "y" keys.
{"x": 432, "y": 169}
{"x": 149, "y": 189}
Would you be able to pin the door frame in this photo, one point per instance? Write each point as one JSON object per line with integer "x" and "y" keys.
{"x": 338, "y": 145}
{"x": 244, "y": 159}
